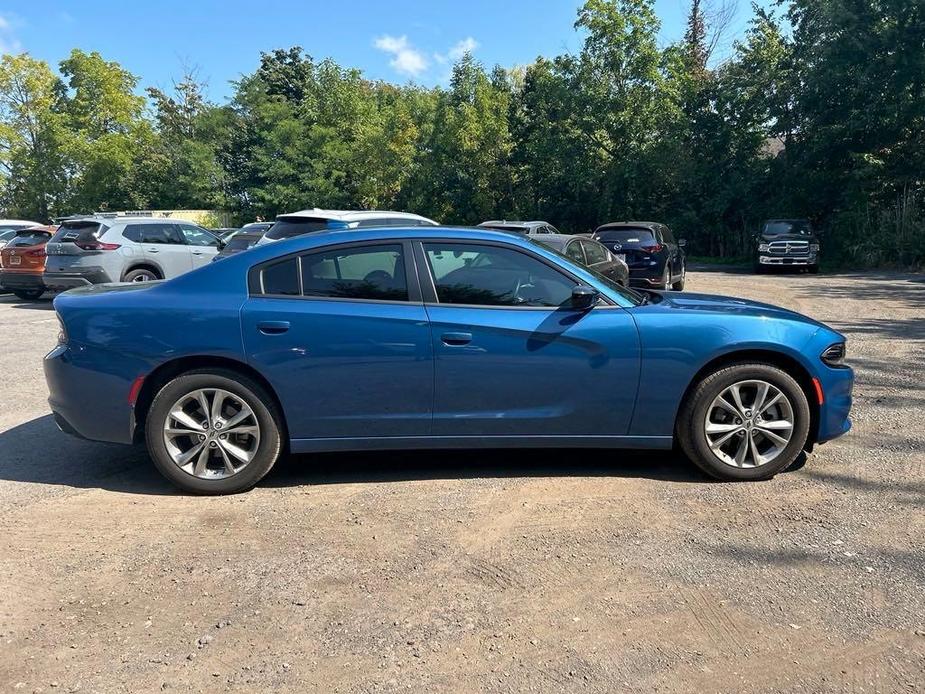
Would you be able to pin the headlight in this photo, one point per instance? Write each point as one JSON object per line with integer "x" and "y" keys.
{"x": 763, "y": 247}
{"x": 834, "y": 355}
{"x": 814, "y": 248}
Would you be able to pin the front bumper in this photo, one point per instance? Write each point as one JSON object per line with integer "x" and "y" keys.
{"x": 788, "y": 260}
{"x": 21, "y": 280}
{"x": 834, "y": 413}
{"x": 79, "y": 278}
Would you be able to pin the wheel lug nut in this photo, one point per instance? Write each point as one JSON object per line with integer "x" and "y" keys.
{"x": 202, "y": 437}
{"x": 740, "y": 433}
{"x": 223, "y": 437}
{"x": 205, "y": 425}
{"x": 738, "y": 422}
{"x": 212, "y": 444}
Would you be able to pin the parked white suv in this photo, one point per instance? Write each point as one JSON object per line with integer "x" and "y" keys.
{"x": 307, "y": 221}
{"x": 95, "y": 250}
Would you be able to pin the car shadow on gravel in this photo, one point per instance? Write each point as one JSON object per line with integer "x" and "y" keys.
{"x": 43, "y": 304}
{"x": 37, "y": 452}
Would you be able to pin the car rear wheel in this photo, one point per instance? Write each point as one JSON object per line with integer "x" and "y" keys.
{"x": 213, "y": 432}
{"x": 141, "y": 275}
{"x": 679, "y": 285}
{"x": 746, "y": 421}
{"x": 29, "y": 294}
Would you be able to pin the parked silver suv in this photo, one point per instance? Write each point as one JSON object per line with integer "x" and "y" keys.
{"x": 94, "y": 250}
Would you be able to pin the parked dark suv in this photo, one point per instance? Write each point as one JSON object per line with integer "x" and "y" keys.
{"x": 654, "y": 257}
{"x": 787, "y": 242}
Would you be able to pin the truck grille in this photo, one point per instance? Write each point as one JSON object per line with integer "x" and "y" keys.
{"x": 789, "y": 247}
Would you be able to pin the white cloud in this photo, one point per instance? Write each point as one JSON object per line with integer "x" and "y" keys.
{"x": 457, "y": 51}
{"x": 8, "y": 41}
{"x": 405, "y": 58}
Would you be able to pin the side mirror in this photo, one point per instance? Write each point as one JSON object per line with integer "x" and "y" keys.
{"x": 584, "y": 297}
{"x": 682, "y": 243}
{"x": 220, "y": 245}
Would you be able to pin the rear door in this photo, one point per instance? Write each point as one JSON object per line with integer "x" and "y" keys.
{"x": 203, "y": 245}
{"x": 342, "y": 335}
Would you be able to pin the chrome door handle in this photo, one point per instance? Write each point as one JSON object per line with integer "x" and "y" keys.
{"x": 456, "y": 339}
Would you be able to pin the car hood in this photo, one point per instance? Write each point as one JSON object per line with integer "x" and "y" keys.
{"x": 789, "y": 237}
{"x": 732, "y": 305}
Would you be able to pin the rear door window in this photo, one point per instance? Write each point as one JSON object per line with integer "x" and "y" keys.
{"x": 573, "y": 251}
{"x": 372, "y": 272}
{"x": 155, "y": 234}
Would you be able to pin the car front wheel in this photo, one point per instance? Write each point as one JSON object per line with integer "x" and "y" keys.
{"x": 746, "y": 421}
{"x": 213, "y": 432}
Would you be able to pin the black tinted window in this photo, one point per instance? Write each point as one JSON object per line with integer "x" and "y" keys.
{"x": 372, "y": 272}
{"x": 667, "y": 235}
{"x": 281, "y": 278}
{"x": 29, "y": 238}
{"x": 595, "y": 252}
{"x": 624, "y": 235}
{"x": 69, "y": 232}
{"x": 494, "y": 276}
{"x": 240, "y": 243}
{"x": 152, "y": 233}
{"x": 296, "y": 226}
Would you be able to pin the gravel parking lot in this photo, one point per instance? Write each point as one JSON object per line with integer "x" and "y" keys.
{"x": 567, "y": 571}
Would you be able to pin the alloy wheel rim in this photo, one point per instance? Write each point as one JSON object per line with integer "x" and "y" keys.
{"x": 143, "y": 277}
{"x": 211, "y": 433}
{"x": 749, "y": 424}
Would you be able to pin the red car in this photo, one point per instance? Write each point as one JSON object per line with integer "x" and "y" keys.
{"x": 22, "y": 262}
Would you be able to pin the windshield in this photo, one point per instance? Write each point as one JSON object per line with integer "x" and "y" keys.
{"x": 241, "y": 242}
{"x": 624, "y": 235}
{"x": 631, "y": 295}
{"x": 287, "y": 227}
{"x": 29, "y": 238}
{"x": 505, "y": 227}
{"x": 786, "y": 227}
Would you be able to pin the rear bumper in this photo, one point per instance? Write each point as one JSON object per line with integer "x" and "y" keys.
{"x": 21, "y": 280}
{"x": 787, "y": 260}
{"x": 649, "y": 276}
{"x": 88, "y": 404}
{"x": 79, "y": 278}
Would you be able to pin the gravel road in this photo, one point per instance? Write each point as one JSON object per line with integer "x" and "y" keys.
{"x": 516, "y": 571}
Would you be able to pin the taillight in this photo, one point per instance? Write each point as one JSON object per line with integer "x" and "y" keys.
{"x": 37, "y": 253}
{"x": 96, "y": 246}
{"x": 652, "y": 249}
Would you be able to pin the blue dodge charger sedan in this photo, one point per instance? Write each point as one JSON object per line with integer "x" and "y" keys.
{"x": 434, "y": 338}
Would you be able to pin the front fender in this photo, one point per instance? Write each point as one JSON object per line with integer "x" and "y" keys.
{"x": 674, "y": 350}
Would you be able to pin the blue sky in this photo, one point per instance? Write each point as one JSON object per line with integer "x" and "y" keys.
{"x": 399, "y": 40}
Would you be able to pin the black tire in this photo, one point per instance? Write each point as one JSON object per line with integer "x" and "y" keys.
{"x": 29, "y": 294}
{"x": 679, "y": 285}
{"x": 814, "y": 269}
{"x": 693, "y": 440}
{"x": 758, "y": 268}
{"x": 272, "y": 430}
{"x": 141, "y": 274}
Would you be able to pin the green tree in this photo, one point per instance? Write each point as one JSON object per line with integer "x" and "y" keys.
{"x": 32, "y": 166}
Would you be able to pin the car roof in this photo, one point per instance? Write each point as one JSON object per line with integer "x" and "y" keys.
{"x": 560, "y": 238}
{"x": 111, "y": 221}
{"x": 513, "y": 223}
{"x": 5, "y": 222}
{"x": 629, "y": 225}
{"x": 352, "y": 215}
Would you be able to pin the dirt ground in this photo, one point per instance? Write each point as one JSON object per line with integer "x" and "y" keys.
{"x": 515, "y": 571}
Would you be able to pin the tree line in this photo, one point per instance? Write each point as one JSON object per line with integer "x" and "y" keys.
{"x": 818, "y": 111}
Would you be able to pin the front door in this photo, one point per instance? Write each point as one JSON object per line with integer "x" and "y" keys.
{"x": 513, "y": 358}
{"x": 203, "y": 245}
{"x": 163, "y": 245}
{"x": 343, "y": 338}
